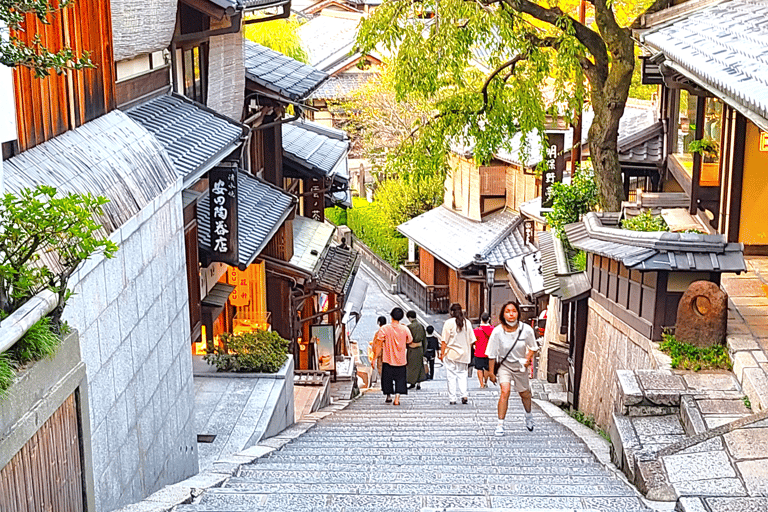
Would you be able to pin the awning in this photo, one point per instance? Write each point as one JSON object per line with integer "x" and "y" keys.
{"x": 314, "y": 151}
{"x": 338, "y": 270}
{"x": 194, "y": 136}
{"x": 218, "y": 295}
{"x": 311, "y": 240}
{"x": 261, "y": 210}
{"x": 558, "y": 278}
{"x": 526, "y": 271}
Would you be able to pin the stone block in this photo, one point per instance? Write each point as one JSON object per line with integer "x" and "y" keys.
{"x": 131, "y": 249}
{"x": 114, "y": 276}
{"x": 629, "y": 388}
{"x": 89, "y": 348}
{"x": 109, "y": 331}
{"x": 145, "y": 291}
{"x": 759, "y": 356}
{"x": 712, "y": 487}
{"x": 122, "y": 363}
{"x": 742, "y": 360}
{"x": 653, "y": 483}
{"x": 690, "y": 504}
{"x": 755, "y": 385}
{"x": 128, "y": 310}
{"x": 710, "y": 381}
{"x": 710, "y": 445}
{"x": 702, "y": 315}
{"x": 624, "y": 444}
{"x": 698, "y": 466}
{"x": 102, "y": 394}
{"x": 636, "y": 411}
{"x": 660, "y": 380}
{"x": 737, "y": 504}
{"x": 662, "y": 398}
{"x": 754, "y": 473}
{"x": 731, "y": 407}
{"x": 117, "y": 424}
{"x": 715, "y": 420}
{"x": 94, "y": 295}
{"x": 748, "y": 443}
{"x": 691, "y": 417}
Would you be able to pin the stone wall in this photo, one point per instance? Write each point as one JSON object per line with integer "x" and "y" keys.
{"x": 226, "y": 89}
{"x": 611, "y": 345}
{"x": 132, "y": 315}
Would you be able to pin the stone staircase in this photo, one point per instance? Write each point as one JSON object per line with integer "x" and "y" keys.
{"x": 421, "y": 456}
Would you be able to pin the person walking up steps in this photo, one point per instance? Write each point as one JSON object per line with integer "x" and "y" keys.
{"x": 376, "y": 348}
{"x": 480, "y": 361}
{"x": 415, "y": 371}
{"x": 511, "y": 348}
{"x": 393, "y": 341}
{"x": 456, "y": 351}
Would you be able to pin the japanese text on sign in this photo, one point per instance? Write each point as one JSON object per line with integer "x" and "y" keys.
{"x": 223, "y": 208}
{"x": 554, "y": 165}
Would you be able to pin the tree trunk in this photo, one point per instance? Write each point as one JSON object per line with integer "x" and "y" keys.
{"x": 603, "y": 147}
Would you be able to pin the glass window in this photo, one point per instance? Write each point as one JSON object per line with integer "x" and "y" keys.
{"x": 686, "y": 125}
{"x": 195, "y": 68}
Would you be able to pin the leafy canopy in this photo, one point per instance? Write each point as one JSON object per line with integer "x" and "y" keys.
{"x": 36, "y": 56}
{"x": 570, "y": 201}
{"x": 280, "y": 35}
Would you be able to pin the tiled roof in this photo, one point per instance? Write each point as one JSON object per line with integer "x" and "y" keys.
{"x": 549, "y": 268}
{"x": 455, "y": 240}
{"x": 526, "y": 271}
{"x": 341, "y": 86}
{"x": 643, "y": 147}
{"x": 280, "y": 73}
{"x": 328, "y": 39}
{"x": 651, "y": 251}
{"x": 310, "y": 240}
{"x": 313, "y": 147}
{"x": 725, "y": 47}
{"x": 111, "y": 156}
{"x": 338, "y": 269}
{"x": 195, "y": 137}
{"x": 261, "y": 210}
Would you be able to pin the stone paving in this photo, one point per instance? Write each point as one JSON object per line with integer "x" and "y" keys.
{"x": 424, "y": 455}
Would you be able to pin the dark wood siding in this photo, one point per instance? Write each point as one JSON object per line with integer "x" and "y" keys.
{"x": 50, "y": 106}
{"x": 193, "y": 272}
{"x": 46, "y": 474}
{"x": 426, "y": 266}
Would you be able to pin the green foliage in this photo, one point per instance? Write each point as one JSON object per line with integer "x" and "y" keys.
{"x": 689, "y": 357}
{"x": 38, "y": 222}
{"x": 336, "y": 215}
{"x": 15, "y": 52}
{"x": 747, "y": 402}
{"x": 645, "y": 222}
{"x": 637, "y": 89}
{"x": 259, "y": 351}
{"x": 571, "y": 201}
{"x": 7, "y": 374}
{"x": 37, "y": 343}
{"x": 585, "y": 419}
{"x": 403, "y": 198}
{"x": 579, "y": 261}
{"x": 279, "y": 35}
{"x": 707, "y": 148}
{"x": 367, "y": 222}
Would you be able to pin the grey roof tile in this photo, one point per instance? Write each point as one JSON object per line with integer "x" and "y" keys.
{"x": 194, "y": 136}
{"x": 341, "y": 86}
{"x": 280, "y": 73}
{"x": 651, "y": 251}
{"x": 338, "y": 269}
{"x": 725, "y": 46}
{"x": 310, "y": 241}
{"x": 455, "y": 240}
{"x": 328, "y": 39}
{"x": 261, "y": 210}
{"x": 314, "y": 147}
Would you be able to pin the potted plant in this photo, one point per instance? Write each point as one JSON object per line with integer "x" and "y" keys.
{"x": 707, "y": 148}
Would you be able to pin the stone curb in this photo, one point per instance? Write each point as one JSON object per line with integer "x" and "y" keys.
{"x": 599, "y": 447}
{"x": 186, "y": 491}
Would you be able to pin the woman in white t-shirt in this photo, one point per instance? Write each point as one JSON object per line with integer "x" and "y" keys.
{"x": 456, "y": 351}
{"x": 511, "y": 345}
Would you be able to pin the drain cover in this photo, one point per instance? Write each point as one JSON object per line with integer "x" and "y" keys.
{"x": 205, "y": 438}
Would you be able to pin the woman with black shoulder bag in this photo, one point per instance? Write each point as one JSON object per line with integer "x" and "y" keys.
{"x": 510, "y": 351}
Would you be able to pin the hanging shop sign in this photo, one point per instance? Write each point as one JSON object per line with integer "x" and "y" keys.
{"x": 314, "y": 201}
{"x": 554, "y": 165}
{"x": 240, "y": 296}
{"x": 222, "y": 187}
{"x": 324, "y": 337}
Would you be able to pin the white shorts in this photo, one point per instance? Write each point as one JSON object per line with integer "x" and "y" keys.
{"x": 518, "y": 377}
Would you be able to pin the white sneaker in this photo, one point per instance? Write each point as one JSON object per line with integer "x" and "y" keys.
{"x": 529, "y": 422}
{"x": 499, "y": 430}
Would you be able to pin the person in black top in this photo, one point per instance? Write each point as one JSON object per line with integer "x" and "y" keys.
{"x": 433, "y": 345}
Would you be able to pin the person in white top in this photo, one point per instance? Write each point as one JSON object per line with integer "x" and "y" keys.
{"x": 456, "y": 352}
{"x": 511, "y": 347}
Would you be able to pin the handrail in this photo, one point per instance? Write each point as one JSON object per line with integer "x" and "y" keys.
{"x": 17, "y": 323}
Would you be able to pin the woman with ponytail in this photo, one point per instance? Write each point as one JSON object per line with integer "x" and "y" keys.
{"x": 456, "y": 352}
{"x": 510, "y": 352}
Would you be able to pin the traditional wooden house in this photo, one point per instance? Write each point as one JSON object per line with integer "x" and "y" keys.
{"x": 706, "y": 59}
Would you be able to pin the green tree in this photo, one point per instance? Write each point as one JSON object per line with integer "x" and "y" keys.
{"x": 15, "y": 52}
{"x": 402, "y": 198}
{"x": 45, "y": 237}
{"x": 486, "y": 63}
{"x": 279, "y": 35}
{"x": 570, "y": 201}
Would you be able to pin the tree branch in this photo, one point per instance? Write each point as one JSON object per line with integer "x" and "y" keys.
{"x": 658, "y": 5}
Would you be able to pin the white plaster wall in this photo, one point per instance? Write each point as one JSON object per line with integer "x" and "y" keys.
{"x": 132, "y": 315}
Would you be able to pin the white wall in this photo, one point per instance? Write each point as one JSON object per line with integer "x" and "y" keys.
{"x": 132, "y": 315}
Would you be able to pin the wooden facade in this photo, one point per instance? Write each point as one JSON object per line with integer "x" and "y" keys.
{"x": 47, "y": 107}
{"x": 47, "y": 473}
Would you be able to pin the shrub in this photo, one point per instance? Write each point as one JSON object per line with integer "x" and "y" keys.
{"x": 258, "y": 351}
{"x": 579, "y": 261}
{"x": 7, "y": 374}
{"x": 689, "y": 357}
{"x": 366, "y": 221}
{"x": 336, "y": 215}
{"x": 38, "y": 342}
{"x": 645, "y": 222}
{"x": 571, "y": 201}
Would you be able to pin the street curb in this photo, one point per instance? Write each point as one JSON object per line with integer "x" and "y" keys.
{"x": 600, "y": 448}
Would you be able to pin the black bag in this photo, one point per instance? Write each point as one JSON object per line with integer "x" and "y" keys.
{"x": 499, "y": 363}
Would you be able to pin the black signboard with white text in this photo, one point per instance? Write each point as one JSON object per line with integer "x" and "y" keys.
{"x": 222, "y": 187}
{"x": 554, "y": 165}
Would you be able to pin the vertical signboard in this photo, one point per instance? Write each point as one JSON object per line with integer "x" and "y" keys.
{"x": 314, "y": 201}
{"x": 324, "y": 336}
{"x": 554, "y": 165}
{"x": 222, "y": 187}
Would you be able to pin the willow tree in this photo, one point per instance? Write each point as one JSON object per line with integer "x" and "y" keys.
{"x": 496, "y": 68}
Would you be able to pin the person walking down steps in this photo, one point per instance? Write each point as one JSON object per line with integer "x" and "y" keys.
{"x": 456, "y": 351}
{"x": 415, "y": 371}
{"x": 431, "y": 351}
{"x": 392, "y": 340}
{"x": 510, "y": 353}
